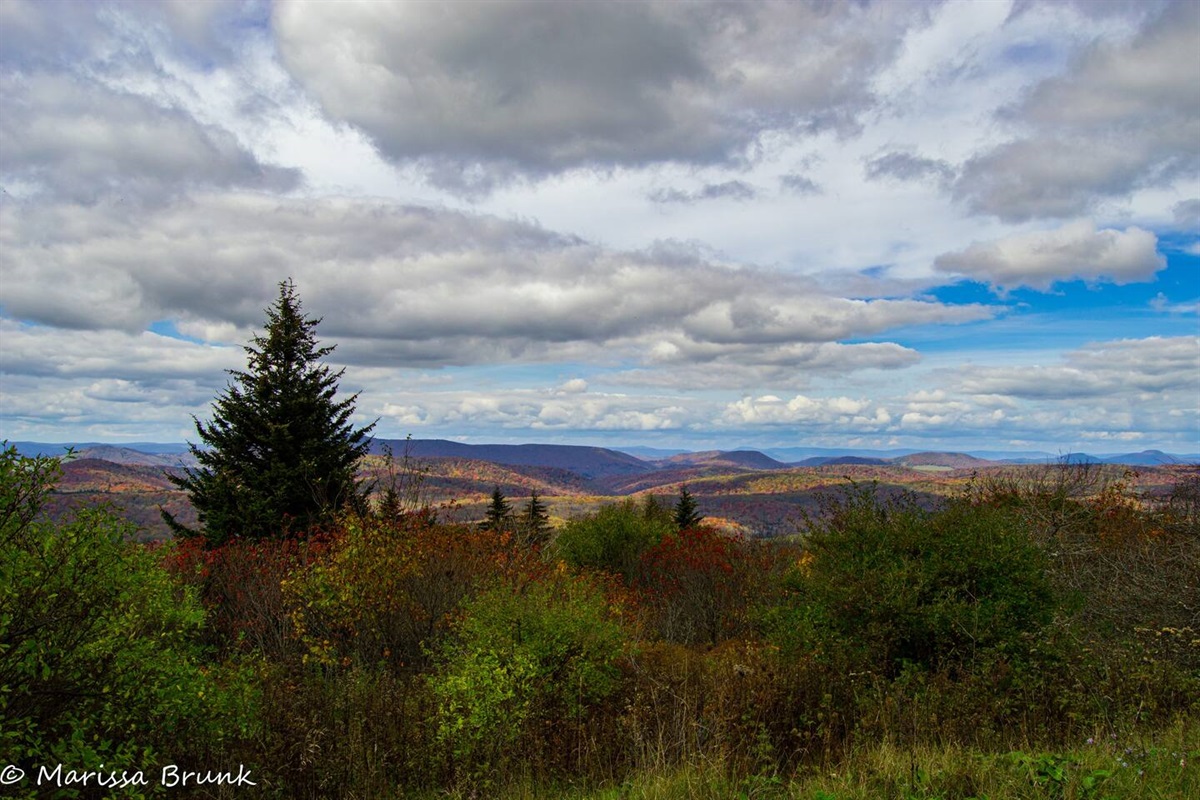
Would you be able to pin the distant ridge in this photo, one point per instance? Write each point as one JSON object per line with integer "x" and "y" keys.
{"x": 828, "y": 461}
{"x": 951, "y": 460}
{"x": 31, "y": 449}
{"x": 651, "y": 453}
{"x": 1147, "y": 458}
{"x": 131, "y": 457}
{"x": 601, "y": 462}
{"x": 590, "y": 462}
{"x": 742, "y": 459}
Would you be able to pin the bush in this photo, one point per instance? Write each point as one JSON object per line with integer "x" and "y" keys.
{"x": 698, "y": 582}
{"x": 614, "y": 538}
{"x": 98, "y": 655}
{"x": 387, "y": 591}
{"x": 240, "y": 585}
{"x": 517, "y": 682}
{"x": 931, "y": 588}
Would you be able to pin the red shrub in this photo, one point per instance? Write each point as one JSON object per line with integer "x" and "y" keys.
{"x": 697, "y": 584}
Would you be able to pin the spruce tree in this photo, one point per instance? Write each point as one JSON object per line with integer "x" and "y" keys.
{"x": 686, "y": 513}
{"x": 535, "y": 521}
{"x": 280, "y": 454}
{"x": 499, "y": 513}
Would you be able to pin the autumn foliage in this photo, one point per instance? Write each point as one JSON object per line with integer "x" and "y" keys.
{"x": 390, "y": 653}
{"x": 699, "y": 582}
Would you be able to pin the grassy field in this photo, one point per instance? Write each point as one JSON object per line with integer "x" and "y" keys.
{"x": 1159, "y": 765}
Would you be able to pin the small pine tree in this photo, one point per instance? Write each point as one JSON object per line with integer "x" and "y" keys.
{"x": 686, "y": 513}
{"x": 535, "y": 521}
{"x": 281, "y": 454}
{"x": 499, "y": 513}
{"x": 388, "y": 509}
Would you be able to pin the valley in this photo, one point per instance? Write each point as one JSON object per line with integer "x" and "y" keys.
{"x": 743, "y": 490}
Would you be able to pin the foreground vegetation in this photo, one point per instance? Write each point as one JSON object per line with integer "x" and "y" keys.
{"x": 1035, "y": 635}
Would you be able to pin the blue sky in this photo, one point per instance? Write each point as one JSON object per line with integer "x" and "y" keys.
{"x": 945, "y": 225}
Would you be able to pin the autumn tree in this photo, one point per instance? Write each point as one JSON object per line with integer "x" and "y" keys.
{"x": 280, "y": 454}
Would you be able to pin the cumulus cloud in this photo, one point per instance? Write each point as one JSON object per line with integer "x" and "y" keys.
{"x": 140, "y": 191}
{"x": 106, "y": 385}
{"x": 690, "y": 366}
{"x": 1187, "y": 214}
{"x": 145, "y": 357}
{"x": 405, "y": 286}
{"x": 797, "y": 183}
{"x": 90, "y": 110}
{"x": 531, "y": 410}
{"x": 588, "y": 85}
{"x": 78, "y": 139}
{"x": 573, "y": 386}
{"x": 1125, "y": 116}
{"x": 1168, "y": 367}
{"x": 65, "y": 34}
{"x": 845, "y": 412}
{"x": 1073, "y": 251}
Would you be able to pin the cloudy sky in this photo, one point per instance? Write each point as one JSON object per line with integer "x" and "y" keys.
{"x": 955, "y": 225}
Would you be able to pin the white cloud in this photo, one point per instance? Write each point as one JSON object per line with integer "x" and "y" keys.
{"x": 1073, "y": 251}
{"x": 166, "y": 164}
{"x": 78, "y": 139}
{"x": 1117, "y": 370}
{"x": 43, "y": 351}
{"x": 846, "y": 413}
{"x": 532, "y": 410}
{"x": 598, "y": 84}
{"x": 1124, "y": 117}
{"x": 409, "y": 286}
{"x": 573, "y": 386}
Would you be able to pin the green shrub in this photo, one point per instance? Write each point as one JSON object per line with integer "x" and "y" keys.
{"x": 98, "y": 663}
{"x": 932, "y": 588}
{"x": 523, "y": 672}
{"x": 614, "y": 538}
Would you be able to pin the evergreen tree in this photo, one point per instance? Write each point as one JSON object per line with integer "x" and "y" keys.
{"x": 686, "y": 513}
{"x": 535, "y": 521}
{"x": 280, "y": 453}
{"x": 499, "y": 514}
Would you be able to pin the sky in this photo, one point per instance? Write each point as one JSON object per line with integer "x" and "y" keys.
{"x": 956, "y": 225}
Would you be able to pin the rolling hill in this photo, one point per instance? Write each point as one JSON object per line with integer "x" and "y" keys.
{"x": 736, "y": 459}
{"x": 588, "y": 462}
{"x": 746, "y": 488}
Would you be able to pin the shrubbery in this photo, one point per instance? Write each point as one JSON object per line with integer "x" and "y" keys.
{"x": 932, "y": 589}
{"x": 99, "y": 655}
{"x": 389, "y": 654}
{"x": 698, "y": 584}
{"x": 526, "y": 666}
{"x": 614, "y": 538}
{"x": 387, "y": 591}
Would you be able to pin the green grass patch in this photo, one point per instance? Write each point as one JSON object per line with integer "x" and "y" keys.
{"x": 1161, "y": 765}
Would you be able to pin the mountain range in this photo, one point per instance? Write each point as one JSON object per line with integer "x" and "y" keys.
{"x": 760, "y": 493}
{"x": 601, "y": 462}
